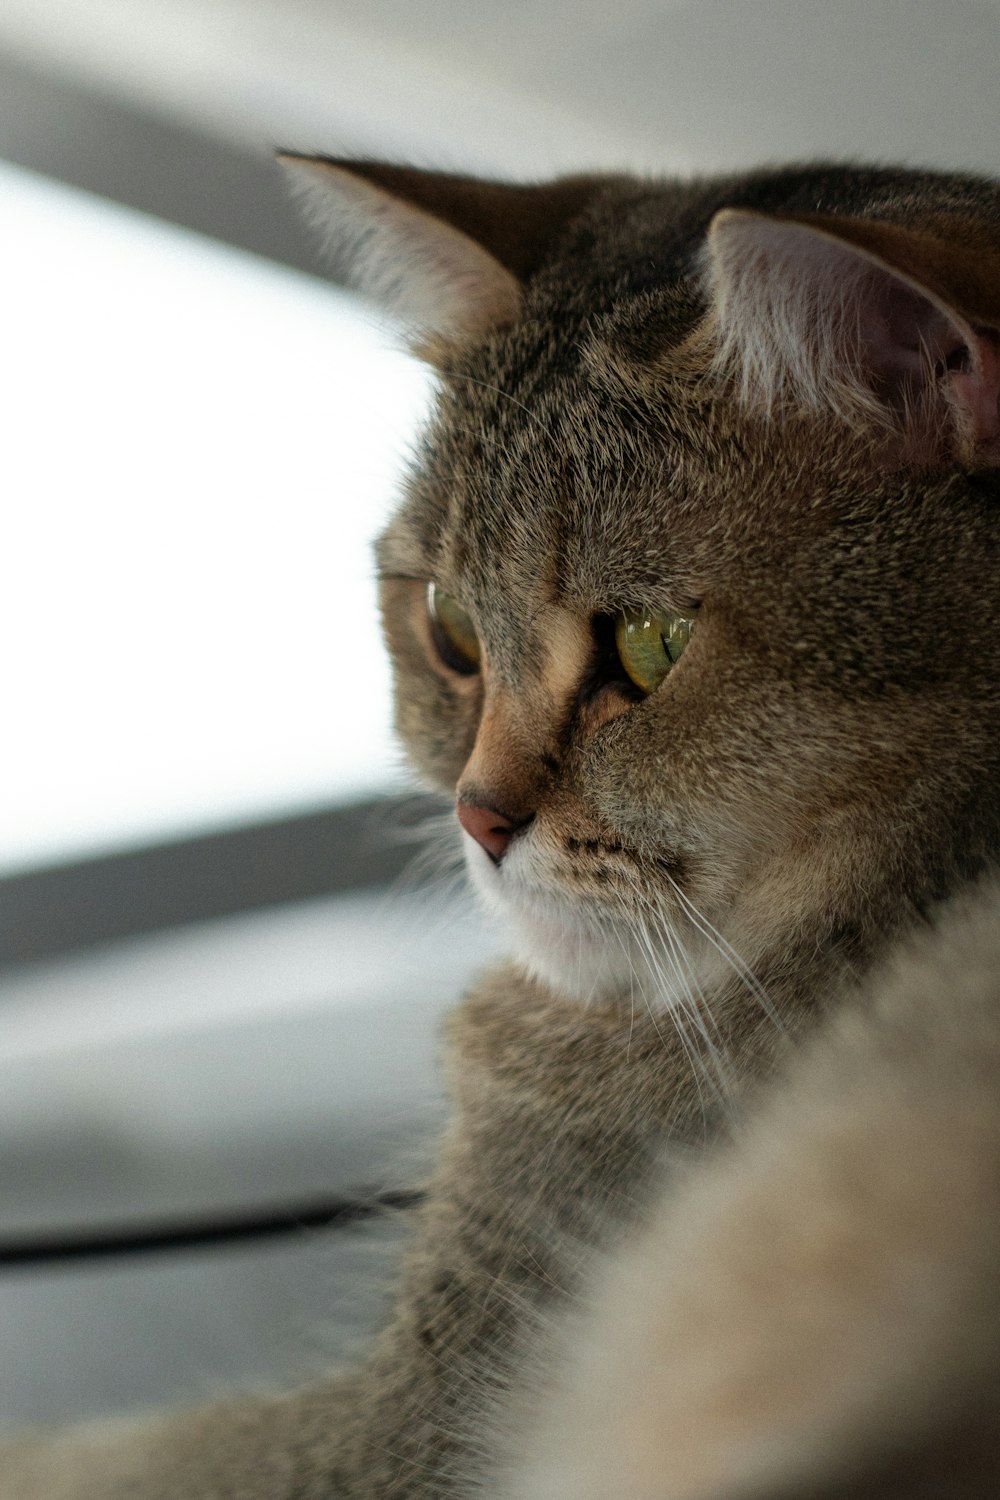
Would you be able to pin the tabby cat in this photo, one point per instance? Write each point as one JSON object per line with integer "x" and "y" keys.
{"x": 692, "y": 600}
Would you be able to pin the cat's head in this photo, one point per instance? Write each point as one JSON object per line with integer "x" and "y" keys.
{"x": 691, "y": 597}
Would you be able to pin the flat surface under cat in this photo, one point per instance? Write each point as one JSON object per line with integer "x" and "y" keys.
{"x": 692, "y": 604}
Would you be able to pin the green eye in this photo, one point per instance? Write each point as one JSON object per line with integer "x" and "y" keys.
{"x": 649, "y": 645}
{"x": 453, "y": 633}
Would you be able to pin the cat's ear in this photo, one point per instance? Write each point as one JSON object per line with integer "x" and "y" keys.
{"x": 444, "y": 256}
{"x": 874, "y": 323}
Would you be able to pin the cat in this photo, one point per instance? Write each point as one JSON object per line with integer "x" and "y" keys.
{"x": 692, "y": 605}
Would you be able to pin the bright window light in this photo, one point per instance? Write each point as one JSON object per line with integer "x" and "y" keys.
{"x": 198, "y": 447}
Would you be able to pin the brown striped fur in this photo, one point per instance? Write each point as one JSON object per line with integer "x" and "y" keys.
{"x": 716, "y": 1216}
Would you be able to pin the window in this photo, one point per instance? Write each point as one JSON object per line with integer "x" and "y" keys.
{"x": 199, "y": 445}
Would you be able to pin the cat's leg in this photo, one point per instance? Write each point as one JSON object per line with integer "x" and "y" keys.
{"x": 816, "y": 1312}
{"x": 559, "y": 1111}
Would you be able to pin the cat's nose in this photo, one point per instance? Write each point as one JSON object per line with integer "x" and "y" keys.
{"x": 490, "y": 828}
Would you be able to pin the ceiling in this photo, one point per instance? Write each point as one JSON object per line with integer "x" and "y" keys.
{"x": 535, "y": 86}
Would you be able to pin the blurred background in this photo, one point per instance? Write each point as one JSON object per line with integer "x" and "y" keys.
{"x": 219, "y": 987}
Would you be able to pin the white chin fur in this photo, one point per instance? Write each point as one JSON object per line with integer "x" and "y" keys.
{"x": 573, "y": 963}
{"x": 550, "y": 938}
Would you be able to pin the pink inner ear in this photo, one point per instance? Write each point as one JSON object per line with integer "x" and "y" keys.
{"x": 977, "y": 389}
{"x": 805, "y": 315}
{"x": 910, "y": 337}
{"x": 911, "y": 344}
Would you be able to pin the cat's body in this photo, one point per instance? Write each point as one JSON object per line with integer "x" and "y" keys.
{"x": 758, "y": 419}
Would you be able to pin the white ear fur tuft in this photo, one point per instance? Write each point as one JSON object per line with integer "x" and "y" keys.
{"x": 428, "y": 276}
{"x": 806, "y": 317}
{"x": 777, "y": 333}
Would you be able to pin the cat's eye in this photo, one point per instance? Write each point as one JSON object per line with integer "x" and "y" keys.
{"x": 650, "y": 644}
{"x": 452, "y": 632}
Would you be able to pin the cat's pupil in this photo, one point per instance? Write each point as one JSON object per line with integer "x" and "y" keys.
{"x": 649, "y": 645}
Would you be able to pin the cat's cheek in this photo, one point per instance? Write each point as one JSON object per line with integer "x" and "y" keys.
{"x": 434, "y": 721}
{"x": 435, "y": 712}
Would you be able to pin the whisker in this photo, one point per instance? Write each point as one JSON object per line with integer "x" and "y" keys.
{"x": 728, "y": 952}
{"x": 674, "y": 1008}
{"x": 698, "y": 1016}
{"x": 439, "y": 862}
{"x": 655, "y": 931}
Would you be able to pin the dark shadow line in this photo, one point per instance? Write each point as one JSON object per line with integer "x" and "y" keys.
{"x": 103, "y": 1244}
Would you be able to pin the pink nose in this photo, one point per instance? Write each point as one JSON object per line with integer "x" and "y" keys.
{"x": 490, "y": 828}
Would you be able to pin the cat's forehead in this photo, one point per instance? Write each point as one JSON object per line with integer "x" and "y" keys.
{"x": 539, "y": 480}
